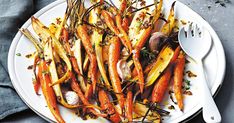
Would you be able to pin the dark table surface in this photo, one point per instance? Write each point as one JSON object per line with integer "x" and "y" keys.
{"x": 221, "y": 18}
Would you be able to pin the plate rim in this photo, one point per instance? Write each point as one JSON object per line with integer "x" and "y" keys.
{"x": 215, "y": 88}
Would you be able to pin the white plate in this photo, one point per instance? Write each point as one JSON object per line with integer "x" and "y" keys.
{"x": 22, "y": 77}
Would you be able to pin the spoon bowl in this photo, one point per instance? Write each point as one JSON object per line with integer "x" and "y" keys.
{"x": 194, "y": 41}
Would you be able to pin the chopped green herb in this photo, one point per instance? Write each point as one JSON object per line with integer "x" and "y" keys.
{"x": 147, "y": 54}
{"x": 171, "y": 107}
{"x": 18, "y": 54}
{"x": 186, "y": 84}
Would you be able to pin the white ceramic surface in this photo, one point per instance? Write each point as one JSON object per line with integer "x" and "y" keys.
{"x": 22, "y": 77}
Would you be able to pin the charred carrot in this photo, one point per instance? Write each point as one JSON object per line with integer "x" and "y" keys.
{"x": 48, "y": 91}
{"x": 178, "y": 79}
{"x": 82, "y": 33}
{"x": 129, "y": 106}
{"x": 160, "y": 86}
{"x": 114, "y": 51}
{"x": 108, "y": 107}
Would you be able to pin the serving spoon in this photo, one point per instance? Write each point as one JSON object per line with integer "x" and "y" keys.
{"x": 196, "y": 43}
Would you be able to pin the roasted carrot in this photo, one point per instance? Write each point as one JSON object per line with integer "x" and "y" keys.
{"x": 123, "y": 32}
{"x": 36, "y": 85}
{"x": 108, "y": 107}
{"x": 123, "y": 6}
{"x": 110, "y": 23}
{"x": 89, "y": 88}
{"x": 65, "y": 37}
{"x": 134, "y": 72}
{"x": 141, "y": 42}
{"x": 44, "y": 33}
{"x": 36, "y": 80}
{"x": 114, "y": 51}
{"x": 136, "y": 55}
{"x": 75, "y": 87}
{"x": 125, "y": 24}
{"x": 123, "y": 9}
{"x": 178, "y": 79}
{"x": 129, "y": 106}
{"x": 82, "y": 33}
{"x": 48, "y": 91}
{"x": 176, "y": 54}
{"x": 160, "y": 86}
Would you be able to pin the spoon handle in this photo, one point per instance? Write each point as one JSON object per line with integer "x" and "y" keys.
{"x": 210, "y": 111}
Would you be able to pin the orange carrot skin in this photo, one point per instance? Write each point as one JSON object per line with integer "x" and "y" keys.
{"x": 36, "y": 81}
{"x": 136, "y": 55}
{"x": 161, "y": 86}
{"x": 144, "y": 37}
{"x": 82, "y": 33}
{"x": 65, "y": 38}
{"x": 178, "y": 79}
{"x": 127, "y": 41}
{"x": 75, "y": 87}
{"x": 64, "y": 35}
{"x": 48, "y": 91}
{"x": 176, "y": 54}
{"x": 36, "y": 86}
{"x": 107, "y": 106}
{"x": 129, "y": 106}
{"x": 89, "y": 89}
{"x": 110, "y": 23}
{"x": 125, "y": 24}
{"x": 123, "y": 6}
{"x": 134, "y": 72}
{"x": 114, "y": 51}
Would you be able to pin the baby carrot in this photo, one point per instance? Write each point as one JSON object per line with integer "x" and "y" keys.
{"x": 108, "y": 107}
{"x": 136, "y": 55}
{"x": 82, "y": 33}
{"x": 178, "y": 79}
{"x": 48, "y": 91}
{"x": 129, "y": 106}
{"x": 160, "y": 86}
{"x": 114, "y": 51}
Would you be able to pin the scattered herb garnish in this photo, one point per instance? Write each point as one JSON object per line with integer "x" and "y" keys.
{"x": 186, "y": 84}
{"x": 171, "y": 107}
{"x": 18, "y": 54}
{"x": 28, "y": 55}
{"x": 191, "y": 74}
{"x": 187, "y": 92}
{"x": 147, "y": 54}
